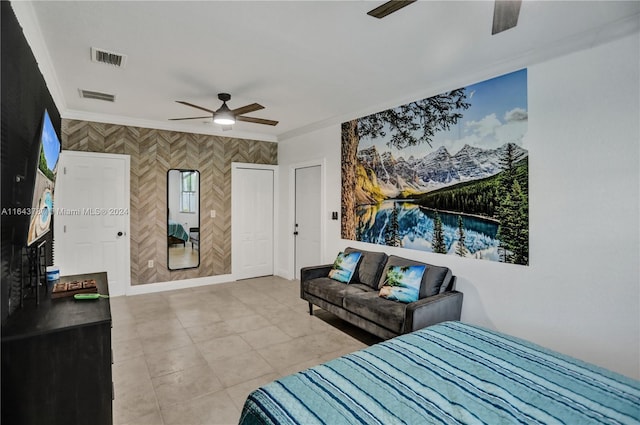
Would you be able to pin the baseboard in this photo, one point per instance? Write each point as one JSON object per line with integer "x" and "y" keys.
{"x": 149, "y": 288}
{"x": 284, "y": 273}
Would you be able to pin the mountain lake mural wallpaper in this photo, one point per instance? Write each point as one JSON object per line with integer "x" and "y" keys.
{"x": 447, "y": 174}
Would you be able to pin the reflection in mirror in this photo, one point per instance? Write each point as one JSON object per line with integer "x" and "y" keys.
{"x": 183, "y": 219}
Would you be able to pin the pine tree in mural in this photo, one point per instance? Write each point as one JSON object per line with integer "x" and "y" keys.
{"x": 427, "y": 116}
{"x": 507, "y": 163}
{"x": 513, "y": 231}
{"x": 521, "y": 246}
{"x": 392, "y": 230}
{"x": 461, "y": 250}
{"x": 439, "y": 246}
{"x": 513, "y": 212}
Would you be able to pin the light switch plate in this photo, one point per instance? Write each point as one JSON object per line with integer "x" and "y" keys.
{"x": 213, "y": 213}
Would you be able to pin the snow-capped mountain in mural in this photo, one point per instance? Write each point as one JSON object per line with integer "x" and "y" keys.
{"x": 433, "y": 171}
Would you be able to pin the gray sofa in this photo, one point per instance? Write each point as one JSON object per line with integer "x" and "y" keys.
{"x": 359, "y": 304}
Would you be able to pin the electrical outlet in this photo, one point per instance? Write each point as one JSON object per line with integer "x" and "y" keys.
{"x": 150, "y": 264}
{"x": 213, "y": 213}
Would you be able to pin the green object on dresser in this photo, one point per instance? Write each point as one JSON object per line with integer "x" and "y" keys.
{"x": 89, "y": 296}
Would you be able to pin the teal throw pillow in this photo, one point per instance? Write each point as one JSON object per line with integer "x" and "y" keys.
{"x": 402, "y": 283}
{"x": 344, "y": 266}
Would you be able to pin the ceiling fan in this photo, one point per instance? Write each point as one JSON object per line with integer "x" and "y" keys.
{"x": 505, "y": 12}
{"x": 227, "y": 117}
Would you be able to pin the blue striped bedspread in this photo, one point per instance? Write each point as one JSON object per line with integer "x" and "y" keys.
{"x": 449, "y": 373}
{"x": 176, "y": 230}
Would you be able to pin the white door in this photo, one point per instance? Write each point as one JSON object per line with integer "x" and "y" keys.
{"x": 308, "y": 207}
{"x": 92, "y": 216}
{"x": 252, "y": 220}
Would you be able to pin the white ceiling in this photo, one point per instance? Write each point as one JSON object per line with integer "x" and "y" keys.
{"x": 310, "y": 63}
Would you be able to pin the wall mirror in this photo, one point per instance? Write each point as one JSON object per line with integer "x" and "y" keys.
{"x": 183, "y": 219}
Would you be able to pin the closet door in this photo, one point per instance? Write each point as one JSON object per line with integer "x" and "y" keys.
{"x": 252, "y": 220}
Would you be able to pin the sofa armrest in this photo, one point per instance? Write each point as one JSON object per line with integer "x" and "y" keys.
{"x": 431, "y": 310}
{"x": 312, "y": 272}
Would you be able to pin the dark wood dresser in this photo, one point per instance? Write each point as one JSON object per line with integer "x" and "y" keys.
{"x": 56, "y": 360}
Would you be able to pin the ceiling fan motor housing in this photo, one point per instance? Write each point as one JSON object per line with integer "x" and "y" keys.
{"x": 226, "y": 116}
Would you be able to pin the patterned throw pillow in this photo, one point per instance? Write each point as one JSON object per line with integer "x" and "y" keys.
{"x": 402, "y": 283}
{"x": 344, "y": 266}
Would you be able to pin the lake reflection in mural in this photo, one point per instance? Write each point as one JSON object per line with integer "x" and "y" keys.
{"x": 415, "y": 229}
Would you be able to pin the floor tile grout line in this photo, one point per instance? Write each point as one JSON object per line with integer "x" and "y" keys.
{"x": 285, "y": 304}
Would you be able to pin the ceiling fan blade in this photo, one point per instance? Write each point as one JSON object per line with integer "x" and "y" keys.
{"x": 505, "y": 15}
{"x": 190, "y": 118}
{"x": 388, "y": 8}
{"x": 194, "y": 106}
{"x": 227, "y": 127}
{"x": 246, "y": 109}
{"x": 257, "y": 120}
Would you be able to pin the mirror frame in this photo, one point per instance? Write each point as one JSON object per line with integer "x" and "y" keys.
{"x": 181, "y": 170}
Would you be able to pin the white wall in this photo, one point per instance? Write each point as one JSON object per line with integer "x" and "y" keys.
{"x": 581, "y": 293}
{"x": 319, "y": 148}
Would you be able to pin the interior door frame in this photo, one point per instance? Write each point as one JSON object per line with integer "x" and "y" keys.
{"x": 235, "y": 167}
{"x": 291, "y": 242}
{"x": 126, "y": 287}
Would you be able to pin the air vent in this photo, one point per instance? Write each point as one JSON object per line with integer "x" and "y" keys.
{"x": 110, "y": 58}
{"x": 88, "y": 94}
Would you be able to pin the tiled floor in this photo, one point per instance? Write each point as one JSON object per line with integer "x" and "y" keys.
{"x": 192, "y": 356}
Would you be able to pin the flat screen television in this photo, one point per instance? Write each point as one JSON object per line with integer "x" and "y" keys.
{"x": 42, "y": 199}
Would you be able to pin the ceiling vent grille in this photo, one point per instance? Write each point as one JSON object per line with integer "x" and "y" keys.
{"x": 110, "y": 58}
{"x": 88, "y": 94}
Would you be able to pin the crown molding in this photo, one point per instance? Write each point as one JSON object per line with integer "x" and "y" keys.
{"x": 607, "y": 33}
{"x": 161, "y": 125}
{"x": 28, "y": 20}
{"x": 31, "y": 28}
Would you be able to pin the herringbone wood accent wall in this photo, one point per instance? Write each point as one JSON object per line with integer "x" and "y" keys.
{"x": 153, "y": 153}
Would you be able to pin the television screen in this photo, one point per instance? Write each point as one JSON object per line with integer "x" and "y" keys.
{"x": 42, "y": 200}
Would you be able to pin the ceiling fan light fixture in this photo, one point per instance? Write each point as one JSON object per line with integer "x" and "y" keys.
{"x": 224, "y": 119}
{"x": 224, "y": 116}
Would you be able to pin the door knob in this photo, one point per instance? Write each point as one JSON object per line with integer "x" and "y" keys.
{"x": 120, "y": 233}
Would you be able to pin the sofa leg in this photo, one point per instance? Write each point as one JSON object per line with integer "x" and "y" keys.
{"x": 310, "y": 309}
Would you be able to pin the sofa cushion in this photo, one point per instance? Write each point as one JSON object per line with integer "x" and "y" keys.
{"x": 333, "y": 291}
{"x": 344, "y": 266}
{"x": 432, "y": 280}
{"x": 369, "y": 305}
{"x": 369, "y": 268}
{"x": 402, "y": 283}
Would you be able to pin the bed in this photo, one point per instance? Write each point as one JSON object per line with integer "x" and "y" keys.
{"x": 448, "y": 373}
{"x": 176, "y": 233}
